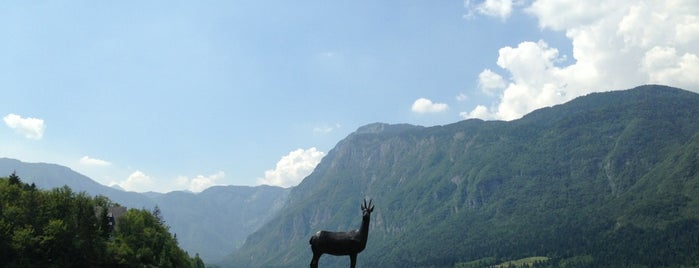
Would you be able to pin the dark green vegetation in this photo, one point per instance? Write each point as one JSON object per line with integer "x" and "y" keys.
{"x": 212, "y": 223}
{"x": 61, "y": 228}
{"x": 606, "y": 180}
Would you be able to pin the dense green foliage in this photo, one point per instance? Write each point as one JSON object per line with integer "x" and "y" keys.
{"x": 61, "y": 228}
{"x": 606, "y": 180}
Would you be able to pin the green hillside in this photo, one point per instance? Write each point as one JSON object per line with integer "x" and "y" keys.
{"x": 61, "y": 228}
{"x": 609, "y": 179}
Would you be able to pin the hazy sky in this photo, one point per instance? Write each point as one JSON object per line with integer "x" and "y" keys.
{"x": 174, "y": 95}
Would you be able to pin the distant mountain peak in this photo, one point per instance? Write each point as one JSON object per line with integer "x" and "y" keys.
{"x": 375, "y": 128}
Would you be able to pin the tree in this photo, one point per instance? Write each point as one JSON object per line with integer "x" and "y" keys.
{"x": 197, "y": 262}
{"x": 140, "y": 236}
{"x": 61, "y": 228}
{"x": 14, "y": 179}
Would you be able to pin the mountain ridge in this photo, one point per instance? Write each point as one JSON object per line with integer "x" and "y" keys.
{"x": 566, "y": 181}
{"x": 48, "y": 176}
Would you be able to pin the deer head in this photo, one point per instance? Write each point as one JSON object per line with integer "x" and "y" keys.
{"x": 367, "y": 209}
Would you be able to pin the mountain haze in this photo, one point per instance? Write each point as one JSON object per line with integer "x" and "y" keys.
{"x": 217, "y": 220}
{"x": 212, "y": 223}
{"x": 603, "y": 180}
{"x": 49, "y": 176}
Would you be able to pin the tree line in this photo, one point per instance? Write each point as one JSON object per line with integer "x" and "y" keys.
{"x": 62, "y": 228}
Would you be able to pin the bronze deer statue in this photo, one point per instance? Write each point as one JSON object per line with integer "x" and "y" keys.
{"x": 342, "y": 243}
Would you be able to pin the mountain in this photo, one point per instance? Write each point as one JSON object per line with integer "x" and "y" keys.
{"x": 49, "y": 176}
{"x": 217, "y": 220}
{"x": 212, "y": 223}
{"x": 605, "y": 180}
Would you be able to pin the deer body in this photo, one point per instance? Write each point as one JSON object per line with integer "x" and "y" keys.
{"x": 342, "y": 243}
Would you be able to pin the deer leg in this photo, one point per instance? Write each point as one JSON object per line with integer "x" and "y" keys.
{"x": 314, "y": 261}
{"x": 353, "y": 260}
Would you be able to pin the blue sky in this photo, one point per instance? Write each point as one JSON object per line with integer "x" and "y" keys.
{"x": 183, "y": 95}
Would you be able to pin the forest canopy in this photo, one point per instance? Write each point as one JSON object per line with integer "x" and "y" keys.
{"x": 61, "y": 228}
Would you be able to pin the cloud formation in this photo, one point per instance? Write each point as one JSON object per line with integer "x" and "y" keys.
{"x": 461, "y": 97}
{"x": 494, "y": 8}
{"x": 480, "y": 112}
{"x": 292, "y": 168}
{"x": 31, "y": 128}
{"x": 137, "y": 182}
{"x": 423, "y": 106}
{"x": 325, "y": 129}
{"x": 490, "y": 82}
{"x": 88, "y": 161}
{"x": 200, "y": 182}
{"x": 610, "y": 51}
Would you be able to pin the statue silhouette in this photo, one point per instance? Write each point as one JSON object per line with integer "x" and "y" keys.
{"x": 342, "y": 243}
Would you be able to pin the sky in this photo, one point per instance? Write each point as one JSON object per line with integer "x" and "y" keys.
{"x": 184, "y": 95}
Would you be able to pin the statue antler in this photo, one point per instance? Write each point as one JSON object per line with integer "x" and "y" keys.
{"x": 367, "y": 207}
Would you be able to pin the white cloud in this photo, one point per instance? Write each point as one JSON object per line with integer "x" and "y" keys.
{"x": 493, "y": 8}
{"x": 610, "y": 50}
{"x": 490, "y": 82}
{"x": 664, "y": 66}
{"x": 564, "y": 14}
{"x": 496, "y": 8}
{"x": 423, "y": 105}
{"x": 137, "y": 182}
{"x": 292, "y": 168}
{"x": 462, "y": 97}
{"x": 325, "y": 129}
{"x": 200, "y": 182}
{"x": 479, "y": 112}
{"x": 88, "y": 161}
{"x": 31, "y": 128}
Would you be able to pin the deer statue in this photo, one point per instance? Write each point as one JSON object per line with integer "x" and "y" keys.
{"x": 342, "y": 243}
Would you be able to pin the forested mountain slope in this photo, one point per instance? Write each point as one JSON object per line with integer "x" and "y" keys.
{"x": 211, "y": 223}
{"x": 606, "y": 179}
{"x": 61, "y": 228}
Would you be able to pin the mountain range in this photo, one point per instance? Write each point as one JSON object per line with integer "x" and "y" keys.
{"x": 606, "y": 180}
{"x": 212, "y": 223}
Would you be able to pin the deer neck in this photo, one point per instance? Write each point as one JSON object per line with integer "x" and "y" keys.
{"x": 364, "y": 230}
